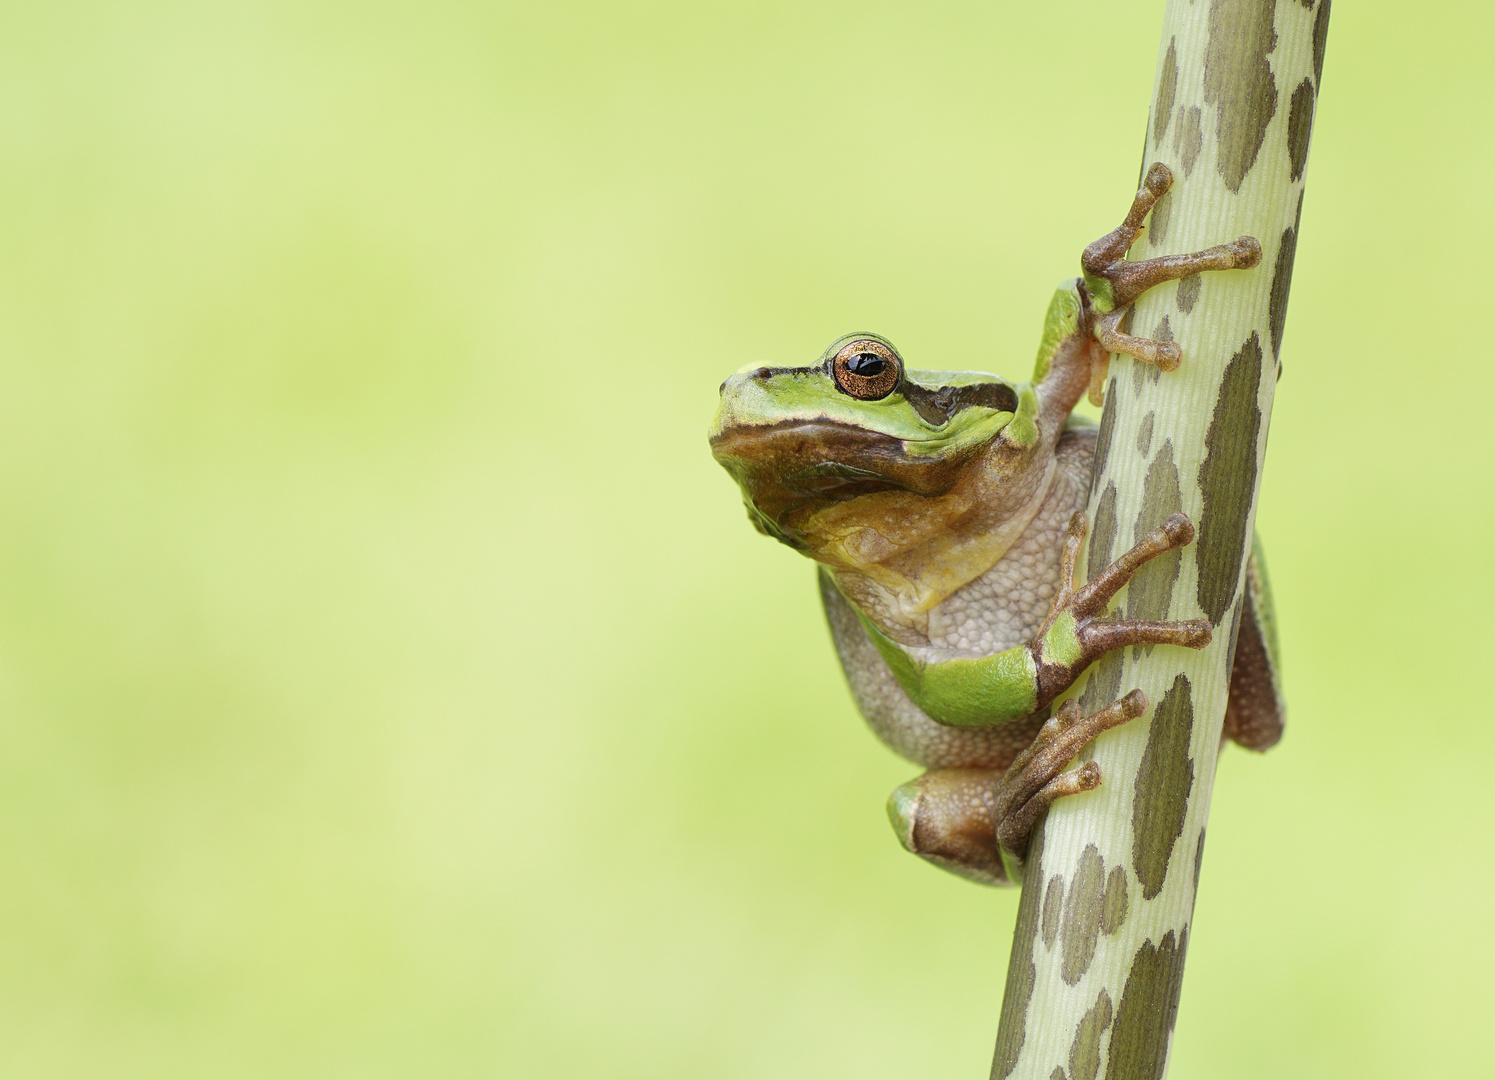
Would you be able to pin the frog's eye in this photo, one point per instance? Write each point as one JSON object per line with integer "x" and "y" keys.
{"x": 866, "y": 369}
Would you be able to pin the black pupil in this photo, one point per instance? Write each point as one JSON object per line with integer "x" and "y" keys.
{"x": 866, "y": 365}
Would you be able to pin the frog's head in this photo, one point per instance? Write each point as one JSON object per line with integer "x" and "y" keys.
{"x": 857, "y": 442}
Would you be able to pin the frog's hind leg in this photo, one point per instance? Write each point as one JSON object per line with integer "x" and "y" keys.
{"x": 1111, "y": 248}
{"x": 1113, "y": 281}
{"x": 976, "y": 822}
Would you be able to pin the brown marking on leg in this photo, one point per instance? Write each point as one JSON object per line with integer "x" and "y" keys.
{"x": 1253, "y": 710}
{"x": 1100, "y": 365}
{"x": 949, "y": 822}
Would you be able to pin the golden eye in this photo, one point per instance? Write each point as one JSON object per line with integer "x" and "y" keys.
{"x": 866, "y": 369}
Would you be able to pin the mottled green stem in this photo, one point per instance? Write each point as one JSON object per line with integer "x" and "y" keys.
{"x": 1103, "y": 925}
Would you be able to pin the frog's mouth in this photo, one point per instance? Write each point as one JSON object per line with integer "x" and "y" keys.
{"x": 793, "y": 468}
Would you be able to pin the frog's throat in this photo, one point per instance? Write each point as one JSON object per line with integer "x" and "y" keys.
{"x": 947, "y": 561}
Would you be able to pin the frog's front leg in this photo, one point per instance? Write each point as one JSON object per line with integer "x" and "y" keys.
{"x": 1113, "y": 282}
{"x": 977, "y": 822}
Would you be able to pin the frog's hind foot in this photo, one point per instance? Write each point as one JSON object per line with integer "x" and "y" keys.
{"x": 1114, "y": 282}
{"x": 1164, "y": 355}
{"x": 1036, "y": 777}
{"x": 976, "y": 822}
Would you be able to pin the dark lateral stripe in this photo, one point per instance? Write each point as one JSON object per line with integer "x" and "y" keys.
{"x": 938, "y": 406}
{"x": 935, "y": 405}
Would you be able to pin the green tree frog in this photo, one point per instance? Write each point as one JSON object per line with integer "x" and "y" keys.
{"x": 946, "y": 511}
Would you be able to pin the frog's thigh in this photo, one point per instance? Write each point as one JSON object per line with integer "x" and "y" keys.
{"x": 947, "y": 817}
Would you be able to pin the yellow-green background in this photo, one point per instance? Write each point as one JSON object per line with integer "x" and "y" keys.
{"x": 390, "y": 684}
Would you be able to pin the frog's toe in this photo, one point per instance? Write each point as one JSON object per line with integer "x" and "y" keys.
{"x": 1100, "y": 257}
{"x": 1165, "y": 355}
{"x": 1091, "y": 599}
{"x": 1129, "y": 280}
{"x": 1014, "y": 830}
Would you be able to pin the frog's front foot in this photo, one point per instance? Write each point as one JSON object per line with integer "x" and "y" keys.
{"x": 1036, "y": 776}
{"x": 1075, "y": 634}
{"x": 1113, "y": 281}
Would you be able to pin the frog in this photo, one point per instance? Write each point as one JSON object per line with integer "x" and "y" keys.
{"x": 946, "y": 513}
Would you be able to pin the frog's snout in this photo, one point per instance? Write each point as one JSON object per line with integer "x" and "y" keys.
{"x": 746, "y": 375}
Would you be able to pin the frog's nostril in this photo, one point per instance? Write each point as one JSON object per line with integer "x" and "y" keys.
{"x": 722, "y": 389}
{"x": 762, "y": 373}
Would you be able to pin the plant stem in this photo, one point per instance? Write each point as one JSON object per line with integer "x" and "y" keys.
{"x": 1103, "y": 924}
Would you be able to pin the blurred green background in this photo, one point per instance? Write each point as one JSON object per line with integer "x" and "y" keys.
{"x": 390, "y": 684}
